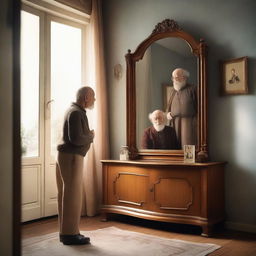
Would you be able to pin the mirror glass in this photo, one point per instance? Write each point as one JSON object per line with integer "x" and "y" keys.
{"x": 154, "y": 89}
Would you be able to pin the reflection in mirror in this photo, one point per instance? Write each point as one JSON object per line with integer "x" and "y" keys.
{"x": 159, "y": 135}
{"x": 154, "y": 91}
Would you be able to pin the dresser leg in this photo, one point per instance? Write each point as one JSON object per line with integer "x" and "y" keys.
{"x": 207, "y": 230}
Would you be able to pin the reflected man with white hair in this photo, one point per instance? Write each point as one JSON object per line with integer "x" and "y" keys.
{"x": 182, "y": 108}
{"x": 159, "y": 135}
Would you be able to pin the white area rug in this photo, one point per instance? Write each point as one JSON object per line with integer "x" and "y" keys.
{"x": 115, "y": 242}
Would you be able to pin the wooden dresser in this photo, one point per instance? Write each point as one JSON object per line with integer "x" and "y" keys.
{"x": 165, "y": 191}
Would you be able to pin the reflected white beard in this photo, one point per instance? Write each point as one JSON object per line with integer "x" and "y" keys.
{"x": 159, "y": 127}
{"x": 178, "y": 85}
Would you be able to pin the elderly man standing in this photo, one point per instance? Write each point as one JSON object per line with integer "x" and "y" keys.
{"x": 77, "y": 138}
{"x": 182, "y": 108}
{"x": 159, "y": 135}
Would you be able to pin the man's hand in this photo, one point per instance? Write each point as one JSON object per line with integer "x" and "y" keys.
{"x": 169, "y": 117}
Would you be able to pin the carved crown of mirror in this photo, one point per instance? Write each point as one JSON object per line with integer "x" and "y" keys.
{"x": 151, "y": 86}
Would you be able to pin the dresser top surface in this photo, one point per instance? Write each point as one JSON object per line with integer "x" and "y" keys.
{"x": 160, "y": 162}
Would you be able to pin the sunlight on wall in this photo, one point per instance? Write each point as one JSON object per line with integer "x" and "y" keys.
{"x": 244, "y": 135}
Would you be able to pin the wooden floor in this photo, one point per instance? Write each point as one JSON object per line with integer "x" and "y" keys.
{"x": 232, "y": 243}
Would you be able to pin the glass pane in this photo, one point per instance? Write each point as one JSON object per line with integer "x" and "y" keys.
{"x": 29, "y": 84}
{"x": 65, "y": 74}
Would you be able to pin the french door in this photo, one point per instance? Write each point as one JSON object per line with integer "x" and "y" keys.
{"x": 51, "y": 72}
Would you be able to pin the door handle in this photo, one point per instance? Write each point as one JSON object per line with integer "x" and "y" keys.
{"x": 48, "y": 103}
{"x": 47, "y": 109}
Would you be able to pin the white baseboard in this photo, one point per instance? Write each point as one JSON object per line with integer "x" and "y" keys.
{"x": 240, "y": 227}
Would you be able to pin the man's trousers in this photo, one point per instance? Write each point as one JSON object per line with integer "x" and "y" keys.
{"x": 69, "y": 176}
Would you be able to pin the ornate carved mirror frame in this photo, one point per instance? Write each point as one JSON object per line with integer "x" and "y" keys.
{"x": 165, "y": 29}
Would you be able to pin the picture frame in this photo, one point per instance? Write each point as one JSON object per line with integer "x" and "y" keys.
{"x": 234, "y": 77}
{"x": 166, "y": 94}
{"x": 189, "y": 153}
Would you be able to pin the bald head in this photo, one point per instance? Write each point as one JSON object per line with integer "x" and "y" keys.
{"x": 85, "y": 97}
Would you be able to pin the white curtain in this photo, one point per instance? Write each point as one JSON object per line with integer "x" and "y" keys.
{"x": 98, "y": 118}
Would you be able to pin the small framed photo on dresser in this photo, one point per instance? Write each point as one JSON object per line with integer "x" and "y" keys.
{"x": 234, "y": 76}
{"x": 189, "y": 153}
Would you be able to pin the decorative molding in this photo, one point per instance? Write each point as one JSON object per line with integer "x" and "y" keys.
{"x": 124, "y": 173}
{"x": 142, "y": 212}
{"x": 130, "y": 202}
{"x": 118, "y": 176}
{"x": 188, "y": 203}
{"x": 130, "y": 173}
{"x": 166, "y": 26}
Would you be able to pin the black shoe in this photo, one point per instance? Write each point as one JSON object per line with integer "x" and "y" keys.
{"x": 74, "y": 239}
{"x": 80, "y": 235}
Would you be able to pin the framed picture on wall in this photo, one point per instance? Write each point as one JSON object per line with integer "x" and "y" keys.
{"x": 234, "y": 77}
{"x": 166, "y": 95}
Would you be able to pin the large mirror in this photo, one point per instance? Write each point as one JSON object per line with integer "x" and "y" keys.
{"x": 150, "y": 81}
{"x": 153, "y": 92}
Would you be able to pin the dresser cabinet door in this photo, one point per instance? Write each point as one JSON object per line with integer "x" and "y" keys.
{"x": 127, "y": 186}
{"x": 176, "y": 191}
